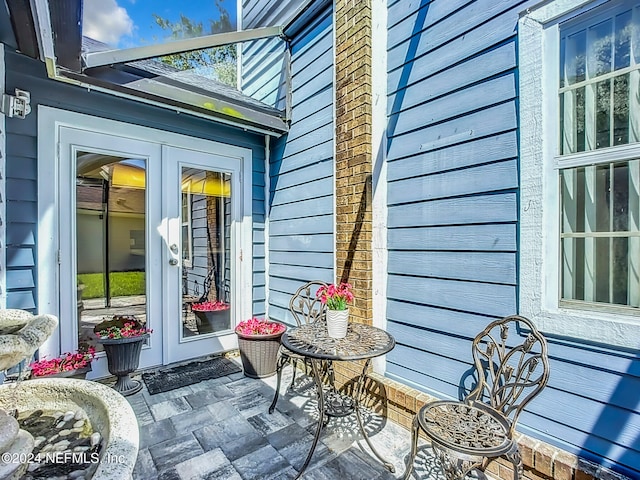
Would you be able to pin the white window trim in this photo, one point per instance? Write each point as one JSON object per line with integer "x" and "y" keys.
{"x": 538, "y": 40}
{"x": 3, "y": 196}
{"x": 379, "y": 183}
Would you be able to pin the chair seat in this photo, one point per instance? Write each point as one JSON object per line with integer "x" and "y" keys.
{"x": 471, "y": 429}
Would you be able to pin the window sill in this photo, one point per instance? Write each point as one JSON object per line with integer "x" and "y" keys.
{"x": 611, "y": 330}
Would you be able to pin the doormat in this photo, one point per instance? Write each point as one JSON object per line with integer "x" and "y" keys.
{"x": 160, "y": 381}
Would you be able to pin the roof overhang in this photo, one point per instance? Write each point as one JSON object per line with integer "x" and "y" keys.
{"x": 58, "y": 33}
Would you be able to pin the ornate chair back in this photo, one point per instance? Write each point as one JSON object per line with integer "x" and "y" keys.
{"x": 305, "y": 305}
{"x": 509, "y": 375}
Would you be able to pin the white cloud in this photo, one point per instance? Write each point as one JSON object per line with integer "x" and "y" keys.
{"x": 105, "y": 21}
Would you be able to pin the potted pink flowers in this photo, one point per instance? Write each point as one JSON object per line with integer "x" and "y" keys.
{"x": 122, "y": 339}
{"x": 336, "y": 298}
{"x": 212, "y": 316}
{"x": 69, "y": 365}
{"x": 258, "y": 342}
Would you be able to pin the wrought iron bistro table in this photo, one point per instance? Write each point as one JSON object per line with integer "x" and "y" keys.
{"x": 363, "y": 342}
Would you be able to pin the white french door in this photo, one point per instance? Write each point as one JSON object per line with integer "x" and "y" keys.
{"x": 202, "y": 203}
{"x": 109, "y": 241}
{"x": 129, "y": 224}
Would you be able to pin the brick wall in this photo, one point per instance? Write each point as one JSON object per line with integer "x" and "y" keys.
{"x": 353, "y": 159}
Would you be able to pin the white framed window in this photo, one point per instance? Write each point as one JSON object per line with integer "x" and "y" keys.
{"x": 580, "y": 169}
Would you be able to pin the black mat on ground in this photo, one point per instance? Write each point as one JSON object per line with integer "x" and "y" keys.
{"x": 167, "y": 379}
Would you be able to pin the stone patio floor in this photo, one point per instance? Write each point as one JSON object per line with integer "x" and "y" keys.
{"x": 221, "y": 429}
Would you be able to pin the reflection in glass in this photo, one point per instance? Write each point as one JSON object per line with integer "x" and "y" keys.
{"x": 110, "y": 240}
{"x": 206, "y": 247}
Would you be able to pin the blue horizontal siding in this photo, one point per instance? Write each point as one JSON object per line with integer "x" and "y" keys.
{"x": 301, "y": 182}
{"x": 494, "y": 237}
{"x": 453, "y": 192}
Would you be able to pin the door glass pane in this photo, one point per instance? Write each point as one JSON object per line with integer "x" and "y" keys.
{"x": 110, "y": 240}
{"x": 206, "y": 252}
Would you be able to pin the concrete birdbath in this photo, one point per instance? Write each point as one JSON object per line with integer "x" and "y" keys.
{"x": 84, "y": 429}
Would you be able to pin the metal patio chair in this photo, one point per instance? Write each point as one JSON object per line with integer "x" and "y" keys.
{"x": 467, "y": 435}
{"x": 306, "y": 307}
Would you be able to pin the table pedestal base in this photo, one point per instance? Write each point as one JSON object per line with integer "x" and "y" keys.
{"x": 338, "y": 405}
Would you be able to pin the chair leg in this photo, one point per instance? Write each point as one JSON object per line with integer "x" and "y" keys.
{"x": 516, "y": 459}
{"x": 282, "y": 360}
{"x": 414, "y": 448}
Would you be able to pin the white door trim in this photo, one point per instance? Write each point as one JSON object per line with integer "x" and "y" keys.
{"x": 50, "y": 121}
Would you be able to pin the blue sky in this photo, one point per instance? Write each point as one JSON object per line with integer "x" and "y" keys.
{"x": 130, "y": 23}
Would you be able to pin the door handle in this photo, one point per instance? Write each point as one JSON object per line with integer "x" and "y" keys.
{"x": 173, "y": 261}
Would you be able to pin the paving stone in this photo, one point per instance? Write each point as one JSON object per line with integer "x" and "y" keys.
{"x": 249, "y": 385}
{"x": 227, "y": 430}
{"x": 222, "y": 410}
{"x": 144, "y": 417}
{"x": 349, "y": 464}
{"x": 225, "y": 473}
{"x": 192, "y": 420}
{"x": 294, "y": 442}
{"x": 212, "y": 395}
{"x": 244, "y": 445}
{"x": 144, "y": 467}
{"x": 208, "y": 384}
{"x": 172, "y": 452}
{"x": 169, "y": 474}
{"x": 261, "y": 464}
{"x": 250, "y": 404}
{"x": 203, "y": 465}
{"x": 267, "y": 423}
{"x": 157, "y": 432}
{"x": 169, "y": 408}
{"x": 164, "y": 396}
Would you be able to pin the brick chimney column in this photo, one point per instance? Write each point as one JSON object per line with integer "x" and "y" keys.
{"x": 354, "y": 165}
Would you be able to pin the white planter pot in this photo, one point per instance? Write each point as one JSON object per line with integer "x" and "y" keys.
{"x": 337, "y": 321}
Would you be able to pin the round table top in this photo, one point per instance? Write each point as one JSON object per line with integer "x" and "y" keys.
{"x": 472, "y": 429}
{"x": 362, "y": 341}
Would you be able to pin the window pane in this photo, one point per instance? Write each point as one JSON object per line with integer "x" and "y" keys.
{"x": 600, "y": 108}
{"x": 110, "y": 239}
{"x": 575, "y": 58}
{"x": 603, "y": 114}
{"x": 599, "y": 49}
{"x": 600, "y": 237}
{"x": 206, "y": 280}
{"x": 621, "y": 110}
{"x": 622, "y": 45}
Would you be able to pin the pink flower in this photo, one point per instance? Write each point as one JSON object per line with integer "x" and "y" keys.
{"x": 259, "y": 326}
{"x": 336, "y": 297}
{"x": 65, "y": 362}
{"x": 210, "y": 306}
{"x": 128, "y": 330}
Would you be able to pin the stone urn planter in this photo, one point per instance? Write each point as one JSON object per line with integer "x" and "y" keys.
{"x": 123, "y": 358}
{"x": 122, "y": 339}
{"x": 259, "y": 342}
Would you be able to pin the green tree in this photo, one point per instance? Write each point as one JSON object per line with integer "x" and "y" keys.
{"x": 218, "y": 62}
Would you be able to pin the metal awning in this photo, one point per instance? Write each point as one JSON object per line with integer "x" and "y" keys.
{"x": 137, "y": 73}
